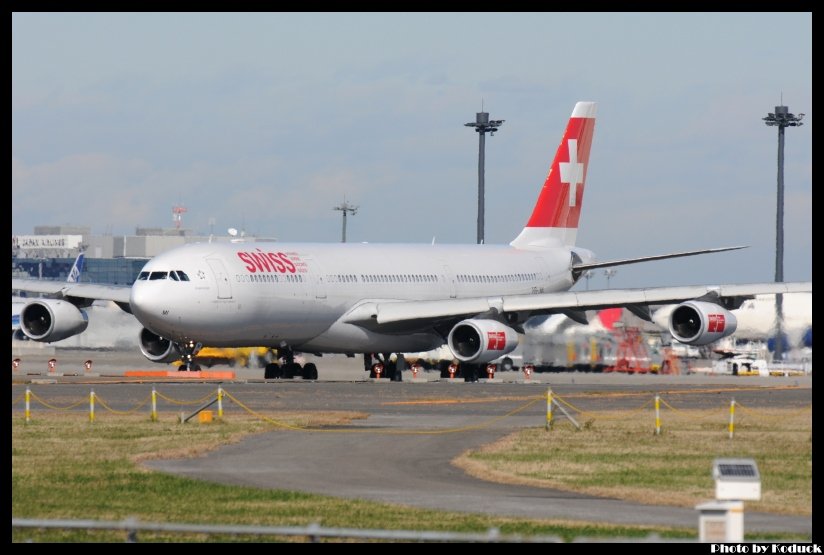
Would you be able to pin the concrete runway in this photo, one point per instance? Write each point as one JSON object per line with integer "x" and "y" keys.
{"x": 386, "y": 458}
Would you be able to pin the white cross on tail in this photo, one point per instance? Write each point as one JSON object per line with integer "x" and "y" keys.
{"x": 572, "y": 172}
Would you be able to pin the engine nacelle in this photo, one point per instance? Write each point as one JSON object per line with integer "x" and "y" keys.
{"x": 481, "y": 340}
{"x": 700, "y": 323}
{"x": 52, "y": 320}
{"x": 156, "y": 348}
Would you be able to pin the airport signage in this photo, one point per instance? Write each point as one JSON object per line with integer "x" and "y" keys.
{"x": 46, "y": 241}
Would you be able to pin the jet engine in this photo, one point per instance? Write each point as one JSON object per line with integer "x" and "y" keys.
{"x": 700, "y": 323}
{"x": 481, "y": 341}
{"x": 156, "y": 348}
{"x": 52, "y": 320}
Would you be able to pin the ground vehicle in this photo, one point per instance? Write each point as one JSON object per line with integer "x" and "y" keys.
{"x": 232, "y": 356}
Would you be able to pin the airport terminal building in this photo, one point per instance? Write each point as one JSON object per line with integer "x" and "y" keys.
{"x": 50, "y": 251}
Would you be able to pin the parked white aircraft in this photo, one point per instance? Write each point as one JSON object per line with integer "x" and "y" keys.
{"x": 372, "y": 298}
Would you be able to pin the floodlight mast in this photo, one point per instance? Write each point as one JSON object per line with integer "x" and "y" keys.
{"x": 781, "y": 118}
{"x": 482, "y": 124}
{"x": 345, "y": 208}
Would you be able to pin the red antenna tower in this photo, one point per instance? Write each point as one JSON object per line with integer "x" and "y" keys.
{"x": 177, "y": 215}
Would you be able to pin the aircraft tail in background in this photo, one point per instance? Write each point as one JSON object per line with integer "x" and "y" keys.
{"x": 77, "y": 269}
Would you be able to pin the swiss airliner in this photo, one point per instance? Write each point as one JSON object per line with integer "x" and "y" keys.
{"x": 379, "y": 299}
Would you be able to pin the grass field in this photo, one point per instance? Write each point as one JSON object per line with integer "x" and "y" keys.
{"x": 64, "y": 467}
{"x": 617, "y": 455}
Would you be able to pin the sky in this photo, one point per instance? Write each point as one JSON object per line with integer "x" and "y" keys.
{"x": 266, "y": 121}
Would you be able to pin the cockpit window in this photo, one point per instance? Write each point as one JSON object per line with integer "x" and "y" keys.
{"x": 143, "y": 276}
{"x": 173, "y": 275}
{"x": 157, "y": 275}
{"x": 182, "y": 275}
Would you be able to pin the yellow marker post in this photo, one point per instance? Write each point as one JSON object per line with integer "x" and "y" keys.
{"x": 219, "y": 402}
{"x": 657, "y": 415}
{"x": 732, "y": 417}
{"x": 548, "y": 409}
{"x": 154, "y": 405}
{"x": 593, "y": 352}
{"x": 28, "y": 405}
{"x": 91, "y": 405}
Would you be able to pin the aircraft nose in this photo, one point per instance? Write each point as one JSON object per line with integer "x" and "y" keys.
{"x": 144, "y": 303}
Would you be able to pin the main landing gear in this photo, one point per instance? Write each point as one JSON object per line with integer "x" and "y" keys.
{"x": 289, "y": 369}
{"x": 382, "y": 366}
{"x": 469, "y": 372}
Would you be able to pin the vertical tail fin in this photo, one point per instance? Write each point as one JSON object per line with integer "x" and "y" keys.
{"x": 77, "y": 269}
{"x": 554, "y": 219}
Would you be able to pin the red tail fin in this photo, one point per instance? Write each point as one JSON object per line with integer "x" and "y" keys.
{"x": 554, "y": 219}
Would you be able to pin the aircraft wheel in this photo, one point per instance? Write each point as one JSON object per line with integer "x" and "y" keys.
{"x": 310, "y": 371}
{"x": 272, "y": 371}
{"x": 390, "y": 370}
{"x": 191, "y": 367}
{"x": 290, "y": 370}
{"x": 506, "y": 364}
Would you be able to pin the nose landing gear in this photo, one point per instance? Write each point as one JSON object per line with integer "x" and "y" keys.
{"x": 188, "y": 351}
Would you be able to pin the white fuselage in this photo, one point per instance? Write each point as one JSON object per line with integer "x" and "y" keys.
{"x": 757, "y": 317}
{"x": 271, "y": 294}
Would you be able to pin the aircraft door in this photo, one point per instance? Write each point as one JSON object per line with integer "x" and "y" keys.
{"x": 543, "y": 275}
{"x": 450, "y": 281}
{"x": 224, "y": 287}
{"x": 318, "y": 277}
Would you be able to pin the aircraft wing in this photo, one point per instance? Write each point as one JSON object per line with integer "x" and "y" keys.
{"x": 610, "y": 263}
{"x": 117, "y": 293}
{"x": 393, "y": 314}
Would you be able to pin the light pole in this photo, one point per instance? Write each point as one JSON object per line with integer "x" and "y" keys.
{"x": 587, "y": 276}
{"x": 610, "y": 273}
{"x": 781, "y": 118}
{"x": 344, "y": 208}
{"x": 482, "y": 124}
